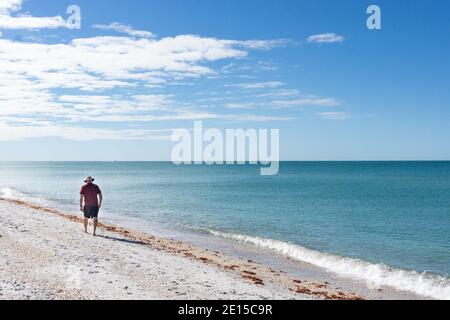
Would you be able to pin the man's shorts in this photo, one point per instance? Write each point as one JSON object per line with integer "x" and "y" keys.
{"x": 91, "y": 212}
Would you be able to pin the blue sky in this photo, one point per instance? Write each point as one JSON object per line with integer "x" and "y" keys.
{"x": 115, "y": 89}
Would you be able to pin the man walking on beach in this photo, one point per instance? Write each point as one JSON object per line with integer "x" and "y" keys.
{"x": 91, "y": 199}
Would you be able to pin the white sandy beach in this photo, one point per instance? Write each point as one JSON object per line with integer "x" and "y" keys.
{"x": 45, "y": 255}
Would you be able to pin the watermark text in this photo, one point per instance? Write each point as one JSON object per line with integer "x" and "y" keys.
{"x": 235, "y": 146}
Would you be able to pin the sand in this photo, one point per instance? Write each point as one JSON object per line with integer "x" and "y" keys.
{"x": 45, "y": 255}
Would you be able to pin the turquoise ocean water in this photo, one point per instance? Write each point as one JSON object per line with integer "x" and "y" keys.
{"x": 383, "y": 222}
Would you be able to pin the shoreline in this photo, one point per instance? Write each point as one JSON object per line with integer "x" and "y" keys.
{"x": 205, "y": 274}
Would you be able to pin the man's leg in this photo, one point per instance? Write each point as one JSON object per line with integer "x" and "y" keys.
{"x": 95, "y": 226}
{"x": 86, "y": 222}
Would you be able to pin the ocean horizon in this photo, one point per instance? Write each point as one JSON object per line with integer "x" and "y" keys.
{"x": 383, "y": 222}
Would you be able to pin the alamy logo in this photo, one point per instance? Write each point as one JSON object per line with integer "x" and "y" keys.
{"x": 374, "y": 20}
{"x": 236, "y": 146}
{"x": 74, "y": 19}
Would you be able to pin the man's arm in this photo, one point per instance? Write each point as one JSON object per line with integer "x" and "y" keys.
{"x": 100, "y": 200}
{"x": 81, "y": 202}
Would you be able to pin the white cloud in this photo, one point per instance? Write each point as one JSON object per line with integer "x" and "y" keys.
{"x": 335, "y": 115}
{"x": 67, "y": 89}
{"x": 239, "y": 106}
{"x": 44, "y": 130}
{"x": 326, "y": 38}
{"x": 101, "y": 108}
{"x": 33, "y": 74}
{"x": 248, "y": 70}
{"x": 12, "y": 128}
{"x": 184, "y": 116}
{"x": 261, "y": 44}
{"x": 7, "y": 21}
{"x": 7, "y": 6}
{"x": 114, "y": 26}
{"x": 100, "y": 63}
{"x": 110, "y": 62}
{"x": 306, "y": 101}
{"x": 257, "y": 85}
{"x": 28, "y": 22}
{"x": 280, "y": 93}
{"x": 267, "y": 66}
{"x": 257, "y": 118}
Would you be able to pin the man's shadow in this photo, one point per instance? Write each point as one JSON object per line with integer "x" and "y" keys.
{"x": 121, "y": 240}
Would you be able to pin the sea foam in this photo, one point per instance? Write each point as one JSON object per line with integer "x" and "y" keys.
{"x": 374, "y": 275}
{"x": 11, "y": 194}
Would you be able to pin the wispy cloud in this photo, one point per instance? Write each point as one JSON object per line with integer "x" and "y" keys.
{"x": 239, "y": 105}
{"x": 258, "y": 67}
{"x": 257, "y": 118}
{"x": 335, "y": 115}
{"x": 262, "y": 44}
{"x": 17, "y": 128}
{"x": 306, "y": 101}
{"x": 8, "y": 21}
{"x": 280, "y": 93}
{"x": 126, "y": 29}
{"x": 256, "y": 85}
{"x": 44, "y": 130}
{"x": 326, "y": 38}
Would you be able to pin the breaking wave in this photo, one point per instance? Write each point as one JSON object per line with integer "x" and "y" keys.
{"x": 11, "y": 194}
{"x": 375, "y": 275}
